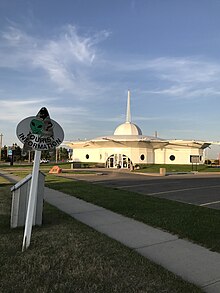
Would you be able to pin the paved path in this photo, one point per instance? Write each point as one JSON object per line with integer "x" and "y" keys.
{"x": 192, "y": 262}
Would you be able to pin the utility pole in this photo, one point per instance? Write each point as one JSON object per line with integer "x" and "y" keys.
{"x": 1, "y": 135}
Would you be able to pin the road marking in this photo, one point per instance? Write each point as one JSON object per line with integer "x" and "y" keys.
{"x": 185, "y": 189}
{"x": 209, "y": 203}
{"x": 136, "y": 185}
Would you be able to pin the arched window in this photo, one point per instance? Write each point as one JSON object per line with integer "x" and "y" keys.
{"x": 87, "y": 156}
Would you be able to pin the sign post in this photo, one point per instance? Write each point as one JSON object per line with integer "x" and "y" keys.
{"x": 31, "y": 201}
{"x": 37, "y": 133}
{"x": 194, "y": 159}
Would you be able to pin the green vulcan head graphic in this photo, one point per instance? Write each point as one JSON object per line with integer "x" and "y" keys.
{"x": 36, "y": 126}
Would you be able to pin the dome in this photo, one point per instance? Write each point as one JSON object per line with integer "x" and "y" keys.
{"x": 128, "y": 128}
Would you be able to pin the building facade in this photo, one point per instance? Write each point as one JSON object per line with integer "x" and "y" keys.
{"x": 128, "y": 147}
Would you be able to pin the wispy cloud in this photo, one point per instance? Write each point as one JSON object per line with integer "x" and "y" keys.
{"x": 71, "y": 65}
{"x": 185, "y": 69}
{"x": 187, "y": 92}
{"x": 13, "y": 111}
{"x": 183, "y": 77}
{"x": 63, "y": 57}
{"x": 70, "y": 59}
{"x": 176, "y": 69}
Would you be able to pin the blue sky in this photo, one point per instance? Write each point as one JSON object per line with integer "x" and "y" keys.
{"x": 78, "y": 58}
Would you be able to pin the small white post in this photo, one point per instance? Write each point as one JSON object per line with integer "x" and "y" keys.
{"x": 31, "y": 201}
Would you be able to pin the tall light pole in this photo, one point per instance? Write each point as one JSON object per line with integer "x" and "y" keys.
{"x": 1, "y": 135}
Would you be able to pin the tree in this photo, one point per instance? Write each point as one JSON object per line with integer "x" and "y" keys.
{"x": 63, "y": 153}
{"x": 16, "y": 153}
{"x": 4, "y": 153}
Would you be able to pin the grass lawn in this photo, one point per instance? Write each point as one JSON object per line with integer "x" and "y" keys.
{"x": 198, "y": 224}
{"x": 27, "y": 168}
{"x": 67, "y": 256}
{"x": 144, "y": 168}
{"x": 3, "y": 180}
{"x": 155, "y": 168}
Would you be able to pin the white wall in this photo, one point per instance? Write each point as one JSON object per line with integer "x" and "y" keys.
{"x": 100, "y": 155}
{"x": 158, "y": 156}
{"x": 182, "y": 155}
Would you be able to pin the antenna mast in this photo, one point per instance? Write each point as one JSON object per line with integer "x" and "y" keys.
{"x": 128, "y": 115}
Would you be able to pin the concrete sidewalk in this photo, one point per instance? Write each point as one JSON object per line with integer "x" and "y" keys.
{"x": 192, "y": 262}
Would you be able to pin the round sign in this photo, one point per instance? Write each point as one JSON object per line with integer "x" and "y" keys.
{"x": 36, "y": 134}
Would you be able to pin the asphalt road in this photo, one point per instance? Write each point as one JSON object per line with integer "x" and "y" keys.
{"x": 198, "y": 189}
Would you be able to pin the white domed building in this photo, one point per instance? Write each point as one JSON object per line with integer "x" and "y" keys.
{"x": 128, "y": 147}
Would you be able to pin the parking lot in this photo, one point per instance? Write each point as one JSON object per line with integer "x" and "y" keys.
{"x": 199, "y": 189}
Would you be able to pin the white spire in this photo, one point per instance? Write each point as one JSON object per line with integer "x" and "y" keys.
{"x": 128, "y": 115}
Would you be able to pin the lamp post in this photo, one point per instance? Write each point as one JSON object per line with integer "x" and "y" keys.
{"x": 1, "y": 135}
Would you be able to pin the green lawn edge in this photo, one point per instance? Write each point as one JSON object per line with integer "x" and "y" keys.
{"x": 174, "y": 168}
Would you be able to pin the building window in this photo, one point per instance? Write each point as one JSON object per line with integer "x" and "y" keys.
{"x": 142, "y": 157}
{"x": 172, "y": 158}
{"x": 100, "y": 156}
{"x": 87, "y": 156}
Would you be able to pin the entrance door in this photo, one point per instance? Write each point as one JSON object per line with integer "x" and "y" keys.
{"x": 118, "y": 161}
